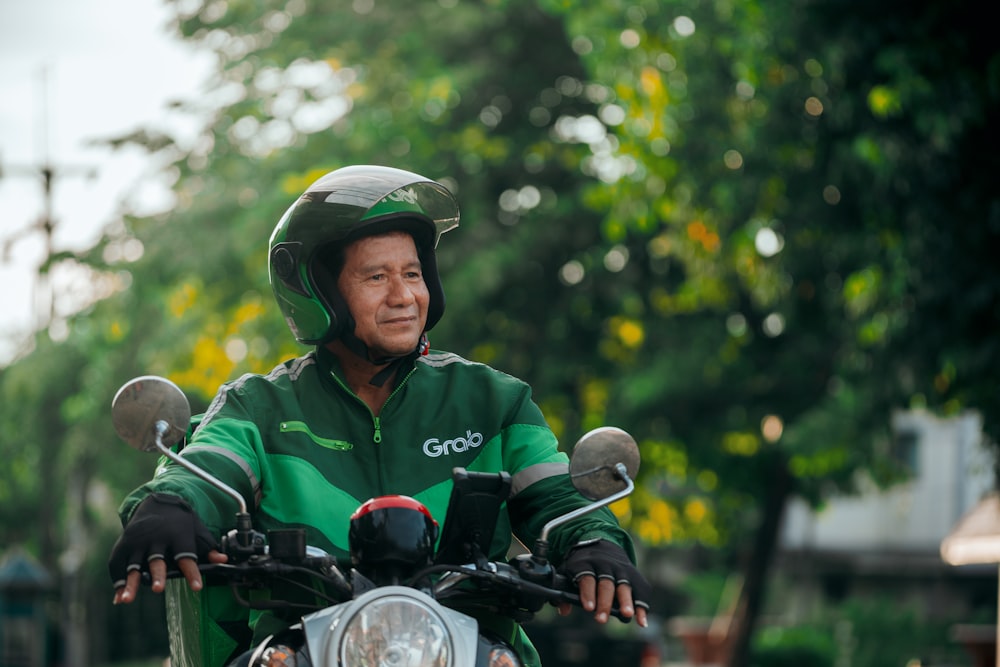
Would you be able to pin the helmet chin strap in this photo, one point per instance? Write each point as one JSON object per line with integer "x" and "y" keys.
{"x": 392, "y": 364}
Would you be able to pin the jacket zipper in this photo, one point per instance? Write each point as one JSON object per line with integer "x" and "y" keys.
{"x": 376, "y": 421}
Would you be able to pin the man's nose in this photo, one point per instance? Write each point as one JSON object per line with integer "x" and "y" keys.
{"x": 400, "y": 291}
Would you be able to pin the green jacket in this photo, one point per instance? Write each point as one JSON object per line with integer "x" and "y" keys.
{"x": 305, "y": 451}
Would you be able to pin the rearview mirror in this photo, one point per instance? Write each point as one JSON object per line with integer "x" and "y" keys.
{"x": 595, "y": 456}
{"x": 148, "y": 407}
{"x": 602, "y": 466}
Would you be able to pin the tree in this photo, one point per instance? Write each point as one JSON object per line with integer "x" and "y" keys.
{"x": 830, "y": 116}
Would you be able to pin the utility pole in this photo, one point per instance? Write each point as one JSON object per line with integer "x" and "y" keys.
{"x": 43, "y": 299}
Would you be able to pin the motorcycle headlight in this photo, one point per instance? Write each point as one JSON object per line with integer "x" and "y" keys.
{"x": 395, "y": 631}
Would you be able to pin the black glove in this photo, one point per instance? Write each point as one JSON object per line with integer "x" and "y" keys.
{"x": 163, "y": 526}
{"x": 606, "y": 560}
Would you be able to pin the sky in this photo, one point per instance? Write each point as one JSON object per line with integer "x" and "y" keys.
{"x": 73, "y": 72}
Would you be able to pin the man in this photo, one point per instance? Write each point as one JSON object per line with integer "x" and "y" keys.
{"x": 369, "y": 412}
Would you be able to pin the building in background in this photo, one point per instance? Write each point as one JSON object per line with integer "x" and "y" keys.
{"x": 887, "y": 542}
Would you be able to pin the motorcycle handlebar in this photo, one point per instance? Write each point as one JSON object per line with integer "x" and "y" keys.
{"x": 555, "y": 588}
{"x": 322, "y": 567}
{"x": 552, "y": 587}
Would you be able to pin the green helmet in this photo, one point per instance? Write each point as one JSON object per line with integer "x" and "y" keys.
{"x": 341, "y": 207}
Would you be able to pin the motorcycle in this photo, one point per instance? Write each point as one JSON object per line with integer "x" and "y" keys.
{"x": 402, "y": 603}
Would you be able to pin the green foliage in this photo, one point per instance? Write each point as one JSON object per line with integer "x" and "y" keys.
{"x": 792, "y": 647}
{"x": 883, "y": 632}
{"x": 705, "y": 593}
{"x": 866, "y": 632}
{"x": 781, "y": 273}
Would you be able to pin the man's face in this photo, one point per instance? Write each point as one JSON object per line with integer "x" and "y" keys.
{"x": 383, "y": 286}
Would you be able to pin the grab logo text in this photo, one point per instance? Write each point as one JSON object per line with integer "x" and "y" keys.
{"x": 435, "y": 448}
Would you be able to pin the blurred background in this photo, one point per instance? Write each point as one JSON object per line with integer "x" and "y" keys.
{"x": 761, "y": 236}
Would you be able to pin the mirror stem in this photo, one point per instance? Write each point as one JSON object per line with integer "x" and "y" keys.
{"x": 160, "y": 429}
{"x": 541, "y": 549}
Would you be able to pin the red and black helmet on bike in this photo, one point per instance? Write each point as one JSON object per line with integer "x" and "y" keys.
{"x": 394, "y": 535}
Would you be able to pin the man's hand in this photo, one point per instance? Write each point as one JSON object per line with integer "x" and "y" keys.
{"x": 127, "y": 592}
{"x": 162, "y": 528}
{"x": 604, "y": 573}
